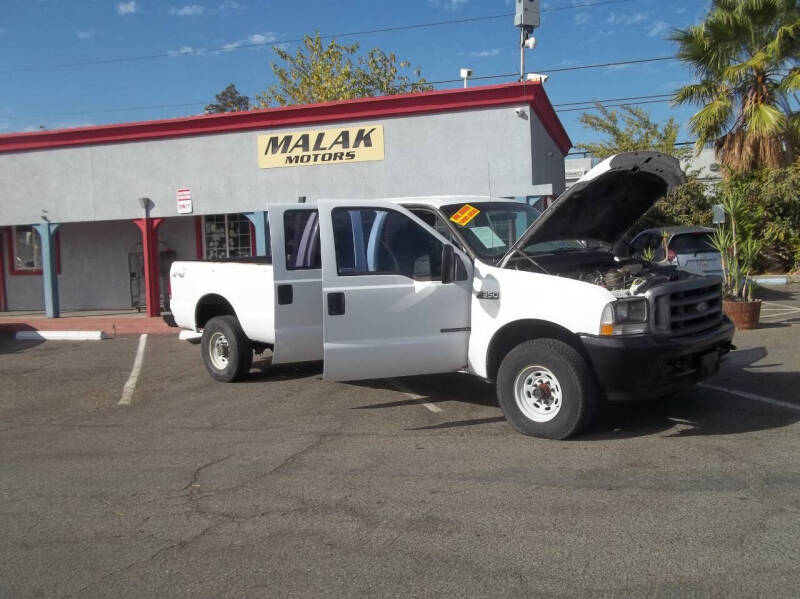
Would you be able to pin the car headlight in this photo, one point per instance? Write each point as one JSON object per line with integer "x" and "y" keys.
{"x": 624, "y": 317}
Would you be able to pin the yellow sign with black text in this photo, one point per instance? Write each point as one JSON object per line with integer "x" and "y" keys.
{"x": 322, "y": 146}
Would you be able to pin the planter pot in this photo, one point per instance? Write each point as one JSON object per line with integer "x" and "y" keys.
{"x": 743, "y": 314}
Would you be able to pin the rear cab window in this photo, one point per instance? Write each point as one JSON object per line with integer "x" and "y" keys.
{"x": 692, "y": 243}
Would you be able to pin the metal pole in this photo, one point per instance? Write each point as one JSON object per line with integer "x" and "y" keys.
{"x": 522, "y": 36}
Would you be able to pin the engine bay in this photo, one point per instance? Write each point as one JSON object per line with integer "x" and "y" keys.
{"x": 621, "y": 277}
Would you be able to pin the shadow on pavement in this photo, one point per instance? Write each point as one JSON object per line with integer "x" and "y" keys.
{"x": 697, "y": 411}
{"x": 9, "y": 345}
{"x": 263, "y": 371}
{"x": 777, "y": 294}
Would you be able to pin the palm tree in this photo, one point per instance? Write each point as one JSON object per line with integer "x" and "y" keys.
{"x": 745, "y": 56}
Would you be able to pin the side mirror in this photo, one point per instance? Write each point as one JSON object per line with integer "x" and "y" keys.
{"x": 448, "y": 264}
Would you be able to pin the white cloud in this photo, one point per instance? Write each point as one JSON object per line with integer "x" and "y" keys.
{"x": 618, "y": 67}
{"x": 229, "y": 6}
{"x": 485, "y": 53}
{"x": 262, "y": 38}
{"x": 582, "y": 18}
{"x": 626, "y": 19}
{"x": 127, "y": 8}
{"x": 231, "y": 46}
{"x": 448, "y": 5}
{"x": 85, "y": 35}
{"x": 657, "y": 29}
{"x": 184, "y": 50}
{"x": 190, "y": 10}
{"x": 2, "y": 31}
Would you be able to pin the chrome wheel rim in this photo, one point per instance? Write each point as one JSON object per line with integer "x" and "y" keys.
{"x": 538, "y": 393}
{"x": 219, "y": 351}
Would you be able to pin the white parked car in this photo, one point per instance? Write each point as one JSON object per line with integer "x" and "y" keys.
{"x": 688, "y": 248}
{"x": 384, "y": 288}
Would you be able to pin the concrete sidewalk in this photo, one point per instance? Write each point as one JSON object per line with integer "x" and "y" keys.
{"x": 111, "y": 322}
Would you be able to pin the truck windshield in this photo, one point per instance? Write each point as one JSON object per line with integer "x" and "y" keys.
{"x": 490, "y": 228}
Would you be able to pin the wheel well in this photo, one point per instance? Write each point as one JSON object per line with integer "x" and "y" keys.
{"x": 210, "y": 306}
{"x": 519, "y": 331}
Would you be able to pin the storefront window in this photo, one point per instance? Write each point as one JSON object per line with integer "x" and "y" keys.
{"x": 27, "y": 248}
{"x": 226, "y": 236}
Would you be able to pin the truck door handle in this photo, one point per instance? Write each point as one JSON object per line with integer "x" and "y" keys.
{"x": 336, "y": 303}
{"x": 285, "y": 295}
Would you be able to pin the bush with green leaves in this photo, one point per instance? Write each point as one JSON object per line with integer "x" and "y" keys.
{"x": 770, "y": 213}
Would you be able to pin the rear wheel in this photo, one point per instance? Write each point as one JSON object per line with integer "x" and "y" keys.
{"x": 227, "y": 352}
{"x": 546, "y": 389}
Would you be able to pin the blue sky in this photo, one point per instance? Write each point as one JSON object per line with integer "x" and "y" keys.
{"x": 202, "y": 40}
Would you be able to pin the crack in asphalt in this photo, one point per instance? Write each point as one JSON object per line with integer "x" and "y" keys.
{"x": 196, "y": 474}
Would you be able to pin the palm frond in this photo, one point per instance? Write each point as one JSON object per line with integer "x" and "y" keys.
{"x": 791, "y": 81}
{"x": 696, "y": 93}
{"x": 713, "y": 119}
{"x": 764, "y": 120}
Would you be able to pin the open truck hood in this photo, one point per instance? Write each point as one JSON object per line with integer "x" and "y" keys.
{"x": 606, "y": 201}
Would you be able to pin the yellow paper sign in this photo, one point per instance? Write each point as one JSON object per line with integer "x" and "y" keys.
{"x": 321, "y": 146}
{"x": 464, "y": 215}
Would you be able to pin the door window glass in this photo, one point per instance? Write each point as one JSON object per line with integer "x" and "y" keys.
{"x": 301, "y": 239}
{"x": 378, "y": 241}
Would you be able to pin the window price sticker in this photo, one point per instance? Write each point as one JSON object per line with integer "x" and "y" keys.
{"x": 464, "y": 215}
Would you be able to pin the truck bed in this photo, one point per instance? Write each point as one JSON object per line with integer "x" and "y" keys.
{"x": 246, "y": 284}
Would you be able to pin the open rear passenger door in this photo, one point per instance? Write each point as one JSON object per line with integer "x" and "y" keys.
{"x": 297, "y": 270}
{"x": 387, "y": 308}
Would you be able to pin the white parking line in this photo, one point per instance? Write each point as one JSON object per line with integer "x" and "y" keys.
{"x": 753, "y": 396}
{"x": 130, "y": 384}
{"x": 431, "y": 407}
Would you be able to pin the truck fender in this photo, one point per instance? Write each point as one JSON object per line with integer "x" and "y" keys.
{"x": 513, "y": 333}
{"x": 209, "y": 306}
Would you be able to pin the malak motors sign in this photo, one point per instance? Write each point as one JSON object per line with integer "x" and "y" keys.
{"x": 322, "y": 146}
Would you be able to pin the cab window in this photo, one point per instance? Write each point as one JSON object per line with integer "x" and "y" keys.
{"x": 381, "y": 241}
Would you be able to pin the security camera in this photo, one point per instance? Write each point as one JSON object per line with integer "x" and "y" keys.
{"x": 520, "y": 112}
{"x": 536, "y": 77}
{"x": 530, "y": 43}
{"x": 466, "y": 73}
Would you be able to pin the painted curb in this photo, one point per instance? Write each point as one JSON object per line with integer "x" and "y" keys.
{"x": 771, "y": 280}
{"x": 60, "y": 335}
{"x": 186, "y": 335}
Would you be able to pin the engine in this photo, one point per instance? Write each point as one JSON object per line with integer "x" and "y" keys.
{"x": 631, "y": 278}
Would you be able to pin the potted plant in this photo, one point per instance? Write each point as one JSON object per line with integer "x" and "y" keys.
{"x": 738, "y": 256}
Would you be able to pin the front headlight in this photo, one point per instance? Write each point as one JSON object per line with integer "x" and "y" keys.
{"x": 626, "y": 316}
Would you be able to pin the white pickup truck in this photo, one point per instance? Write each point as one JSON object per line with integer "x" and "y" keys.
{"x": 536, "y": 302}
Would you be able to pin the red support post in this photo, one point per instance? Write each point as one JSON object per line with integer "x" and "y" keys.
{"x": 152, "y": 288}
{"x": 3, "y": 305}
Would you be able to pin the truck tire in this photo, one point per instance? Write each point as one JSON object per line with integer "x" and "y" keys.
{"x": 227, "y": 352}
{"x": 546, "y": 389}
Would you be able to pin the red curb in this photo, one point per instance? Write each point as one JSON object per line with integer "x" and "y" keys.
{"x": 110, "y": 325}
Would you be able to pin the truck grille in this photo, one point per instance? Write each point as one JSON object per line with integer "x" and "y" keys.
{"x": 691, "y": 309}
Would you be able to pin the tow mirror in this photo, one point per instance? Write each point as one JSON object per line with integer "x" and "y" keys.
{"x": 448, "y": 264}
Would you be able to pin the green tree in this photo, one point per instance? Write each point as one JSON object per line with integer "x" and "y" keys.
{"x": 320, "y": 72}
{"x": 770, "y": 213}
{"x": 229, "y": 100}
{"x": 745, "y": 57}
{"x": 633, "y": 129}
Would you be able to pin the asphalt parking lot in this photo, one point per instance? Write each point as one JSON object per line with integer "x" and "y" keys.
{"x": 285, "y": 485}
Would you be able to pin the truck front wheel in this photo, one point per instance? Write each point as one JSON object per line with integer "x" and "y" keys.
{"x": 227, "y": 352}
{"x": 546, "y": 389}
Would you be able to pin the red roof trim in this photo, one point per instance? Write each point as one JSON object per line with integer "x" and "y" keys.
{"x": 362, "y": 108}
